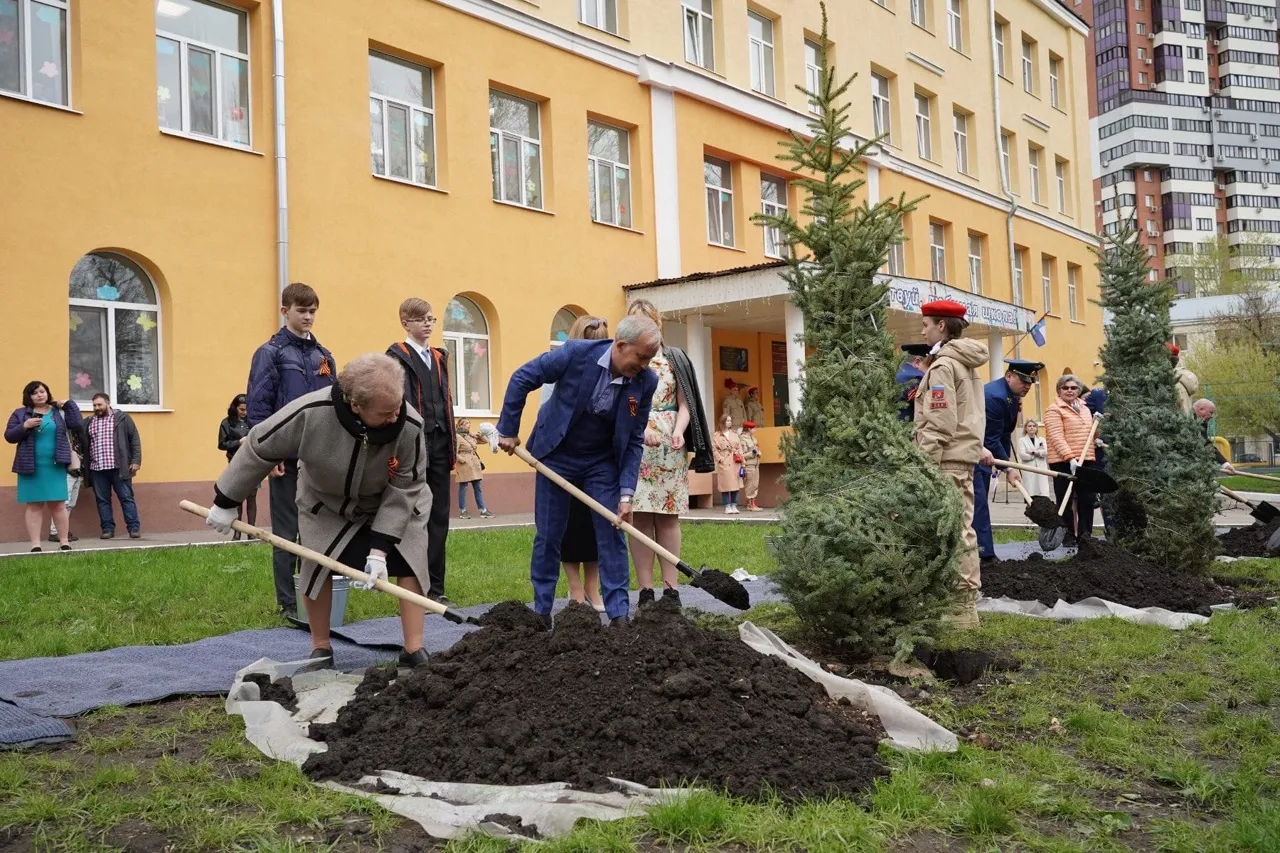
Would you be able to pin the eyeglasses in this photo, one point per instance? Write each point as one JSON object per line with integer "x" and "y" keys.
{"x": 1070, "y": 387}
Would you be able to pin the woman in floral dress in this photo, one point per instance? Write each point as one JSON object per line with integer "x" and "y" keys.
{"x": 677, "y": 427}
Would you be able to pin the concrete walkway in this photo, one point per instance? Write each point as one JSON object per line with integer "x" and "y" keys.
{"x": 1002, "y": 515}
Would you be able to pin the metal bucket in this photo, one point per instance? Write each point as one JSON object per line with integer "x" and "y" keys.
{"x": 341, "y": 586}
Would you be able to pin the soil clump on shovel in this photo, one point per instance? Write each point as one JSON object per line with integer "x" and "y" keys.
{"x": 1043, "y": 512}
{"x": 1105, "y": 571}
{"x": 660, "y": 702}
{"x": 1249, "y": 541}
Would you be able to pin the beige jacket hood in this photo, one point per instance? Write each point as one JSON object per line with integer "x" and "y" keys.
{"x": 951, "y": 412}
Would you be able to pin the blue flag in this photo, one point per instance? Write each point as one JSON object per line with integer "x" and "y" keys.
{"x": 1037, "y": 332}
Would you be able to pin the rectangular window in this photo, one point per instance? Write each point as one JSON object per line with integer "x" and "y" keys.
{"x": 962, "y": 141}
{"x": 813, "y": 72}
{"x": 938, "y": 251}
{"x": 402, "y": 131}
{"x": 718, "y": 178}
{"x": 773, "y": 202}
{"x": 880, "y": 122}
{"x": 515, "y": 149}
{"x": 897, "y": 263}
{"x": 1060, "y": 175}
{"x": 975, "y": 264}
{"x": 1141, "y": 28}
{"x": 1204, "y": 224}
{"x": 919, "y": 15}
{"x": 760, "y": 48}
{"x": 1028, "y": 67}
{"x": 1152, "y": 229}
{"x": 1142, "y": 78}
{"x": 1033, "y": 172}
{"x": 609, "y": 173}
{"x": 924, "y": 128}
{"x": 1017, "y": 276}
{"x": 33, "y": 50}
{"x": 699, "y": 33}
{"x": 1000, "y": 32}
{"x": 1195, "y": 76}
{"x": 202, "y": 69}
{"x": 601, "y": 14}
{"x": 955, "y": 25}
{"x": 1005, "y": 161}
{"x": 1046, "y": 283}
{"x": 1055, "y": 71}
{"x": 1073, "y": 274}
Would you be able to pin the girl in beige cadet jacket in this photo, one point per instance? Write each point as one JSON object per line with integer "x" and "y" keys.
{"x": 468, "y": 469}
{"x": 950, "y": 422}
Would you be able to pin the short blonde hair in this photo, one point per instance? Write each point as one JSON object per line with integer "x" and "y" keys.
{"x": 414, "y": 308}
{"x": 371, "y": 377}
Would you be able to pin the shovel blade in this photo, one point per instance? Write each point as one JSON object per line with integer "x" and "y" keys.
{"x": 1052, "y": 538}
{"x": 1265, "y": 512}
{"x": 1096, "y": 480}
{"x": 723, "y": 587}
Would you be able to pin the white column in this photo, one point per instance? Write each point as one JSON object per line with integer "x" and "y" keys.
{"x": 698, "y": 340}
{"x": 666, "y": 181}
{"x": 793, "y": 323}
{"x": 995, "y": 344}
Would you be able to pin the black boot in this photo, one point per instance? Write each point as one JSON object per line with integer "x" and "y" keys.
{"x": 672, "y": 595}
{"x": 322, "y": 657}
{"x": 646, "y": 597}
{"x": 414, "y": 658}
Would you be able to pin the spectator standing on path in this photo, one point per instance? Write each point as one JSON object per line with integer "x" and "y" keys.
{"x": 231, "y": 434}
{"x": 115, "y": 455}
{"x": 1033, "y": 451}
{"x": 292, "y": 363}
{"x": 41, "y": 428}
{"x": 751, "y": 464}
{"x": 426, "y": 388}
{"x": 469, "y": 469}
{"x": 1068, "y": 423}
{"x": 729, "y": 464}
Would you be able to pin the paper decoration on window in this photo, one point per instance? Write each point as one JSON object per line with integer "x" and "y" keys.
{"x": 145, "y": 321}
{"x": 199, "y": 88}
{"x": 475, "y": 396}
{"x": 163, "y": 94}
{"x": 49, "y": 70}
{"x": 236, "y": 113}
{"x": 457, "y": 312}
{"x": 108, "y": 292}
{"x": 134, "y": 382}
{"x": 562, "y": 335}
{"x": 83, "y": 380}
{"x": 165, "y": 47}
{"x": 480, "y": 350}
{"x": 76, "y": 321}
{"x": 425, "y": 157}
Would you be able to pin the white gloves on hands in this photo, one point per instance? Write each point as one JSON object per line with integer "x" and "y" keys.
{"x": 1074, "y": 467}
{"x": 220, "y": 519}
{"x": 375, "y": 566}
{"x": 490, "y": 433}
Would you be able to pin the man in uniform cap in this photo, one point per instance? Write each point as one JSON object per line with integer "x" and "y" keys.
{"x": 909, "y": 377}
{"x": 1003, "y": 401}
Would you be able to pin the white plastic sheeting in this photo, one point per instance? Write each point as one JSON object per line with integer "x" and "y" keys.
{"x": 1092, "y": 608}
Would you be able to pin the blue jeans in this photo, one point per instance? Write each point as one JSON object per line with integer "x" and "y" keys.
{"x": 104, "y": 483}
{"x": 729, "y": 498}
{"x": 462, "y": 496}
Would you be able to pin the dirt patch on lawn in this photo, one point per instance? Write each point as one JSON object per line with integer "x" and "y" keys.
{"x": 1249, "y": 541}
{"x": 659, "y": 702}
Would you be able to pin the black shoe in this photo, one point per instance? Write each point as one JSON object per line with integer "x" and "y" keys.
{"x": 984, "y": 562}
{"x": 414, "y": 658}
{"x": 36, "y": 550}
{"x": 547, "y": 621}
{"x": 671, "y": 595}
{"x": 1070, "y": 542}
{"x": 71, "y": 537}
{"x": 53, "y": 537}
{"x": 135, "y": 534}
{"x": 64, "y": 547}
{"x": 323, "y": 658}
{"x": 108, "y": 534}
{"x": 441, "y": 599}
{"x": 646, "y": 597}
{"x": 619, "y": 622}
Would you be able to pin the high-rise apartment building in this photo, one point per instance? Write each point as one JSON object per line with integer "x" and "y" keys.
{"x": 1185, "y": 109}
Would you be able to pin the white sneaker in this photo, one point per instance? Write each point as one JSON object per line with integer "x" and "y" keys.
{"x": 728, "y": 509}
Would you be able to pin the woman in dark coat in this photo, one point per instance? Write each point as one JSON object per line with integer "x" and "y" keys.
{"x": 231, "y": 434}
{"x": 40, "y": 427}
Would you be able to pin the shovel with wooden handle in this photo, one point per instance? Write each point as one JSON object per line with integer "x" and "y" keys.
{"x": 1240, "y": 473}
{"x": 334, "y": 566}
{"x": 1047, "y": 541}
{"x": 716, "y": 583}
{"x": 1260, "y": 510}
{"x": 1092, "y": 479}
{"x": 1042, "y": 511}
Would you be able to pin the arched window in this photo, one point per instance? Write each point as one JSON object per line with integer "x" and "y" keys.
{"x": 560, "y": 326}
{"x": 115, "y": 332}
{"x": 466, "y": 331}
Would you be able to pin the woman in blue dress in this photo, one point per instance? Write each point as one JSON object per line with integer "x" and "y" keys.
{"x": 40, "y": 429}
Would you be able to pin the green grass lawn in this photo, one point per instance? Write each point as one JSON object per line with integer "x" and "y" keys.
{"x": 1249, "y": 484}
{"x": 1112, "y": 736}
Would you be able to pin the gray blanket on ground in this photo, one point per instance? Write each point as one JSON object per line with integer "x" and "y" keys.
{"x": 19, "y": 728}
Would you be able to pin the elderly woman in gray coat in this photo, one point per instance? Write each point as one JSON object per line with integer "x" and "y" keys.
{"x": 361, "y": 493}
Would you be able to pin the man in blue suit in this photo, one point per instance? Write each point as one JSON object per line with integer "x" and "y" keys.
{"x": 591, "y": 432}
{"x": 1004, "y": 404}
{"x": 909, "y": 376}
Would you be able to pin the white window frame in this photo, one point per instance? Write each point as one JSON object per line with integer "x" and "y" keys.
{"x": 723, "y": 194}
{"x": 601, "y": 9}
{"x": 459, "y": 375}
{"x": 1028, "y": 67}
{"x": 1046, "y": 283}
{"x": 1072, "y": 274}
{"x": 696, "y": 21}
{"x": 111, "y": 383}
{"x": 924, "y": 127}
{"x": 881, "y": 107}
{"x": 1055, "y": 67}
{"x": 25, "y": 71}
{"x": 1017, "y": 277}
{"x": 430, "y": 112}
{"x": 960, "y": 125}
{"x": 1006, "y": 160}
{"x": 760, "y": 51}
{"x": 522, "y": 140}
{"x": 896, "y": 263}
{"x": 773, "y": 235}
{"x": 1000, "y": 33}
{"x": 955, "y": 25}
{"x": 1060, "y": 170}
{"x": 919, "y": 13}
{"x": 938, "y": 251}
{"x": 975, "y": 264}
{"x": 596, "y": 163}
{"x": 813, "y": 72}
{"x": 1033, "y": 172}
{"x": 184, "y": 46}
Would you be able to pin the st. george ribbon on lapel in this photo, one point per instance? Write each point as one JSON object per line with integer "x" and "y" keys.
{"x": 631, "y": 403}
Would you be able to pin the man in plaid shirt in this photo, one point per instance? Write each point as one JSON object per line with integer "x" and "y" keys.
{"x": 115, "y": 455}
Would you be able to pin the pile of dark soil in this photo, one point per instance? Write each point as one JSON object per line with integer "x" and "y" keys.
{"x": 280, "y": 691}
{"x": 1105, "y": 571}
{"x": 1249, "y": 541}
{"x": 660, "y": 702}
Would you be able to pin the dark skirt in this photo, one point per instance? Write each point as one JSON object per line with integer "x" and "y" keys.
{"x": 357, "y": 551}
{"x": 579, "y": 543}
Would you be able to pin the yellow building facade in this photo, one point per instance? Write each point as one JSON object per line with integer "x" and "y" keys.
{"x": 168, "y": 166}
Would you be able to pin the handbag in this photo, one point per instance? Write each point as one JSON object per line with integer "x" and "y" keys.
{"x": 737, "y": 457}
{"x": 74, "y": 467}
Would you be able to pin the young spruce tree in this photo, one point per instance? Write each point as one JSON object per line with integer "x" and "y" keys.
{"x": 1164, "y": 510}
{"x": 869, "y": 538}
